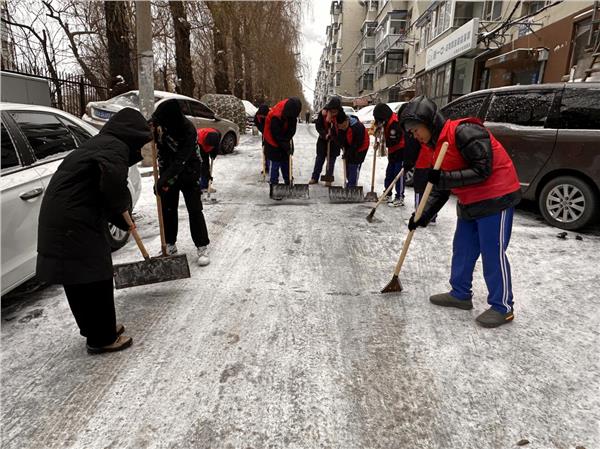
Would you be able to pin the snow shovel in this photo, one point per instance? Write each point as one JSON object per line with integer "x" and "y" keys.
{"x": 326, "y": 177}
{"x": 264, "y": 165}
{"x": 291, "y": 190}
{"x": 346, "y": 194}
{"x": 395, "y": 285}
{"x": 372, "y": 196}
{"x": 149, "y": 270}
{"x": 384, "y": 196}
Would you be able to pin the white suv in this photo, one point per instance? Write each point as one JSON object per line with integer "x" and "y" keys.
{"x": 35, "y": 140}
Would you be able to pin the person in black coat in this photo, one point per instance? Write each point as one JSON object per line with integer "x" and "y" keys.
{"x": 89, "y": 189}
{"x": 326, "y": 126}
{"x": 180, "y": 165}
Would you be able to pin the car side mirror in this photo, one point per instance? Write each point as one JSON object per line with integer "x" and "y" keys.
{"x": 216, "y": 118}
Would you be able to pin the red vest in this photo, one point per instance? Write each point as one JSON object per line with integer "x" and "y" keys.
{"x": 365, "y": 144}
{"x": 425, "y": 159}
{"x": 276, "y": 111}
{"x": 202, "y": 134}
{"x": 503, "y": 179}
{"x": 393, "y": 119}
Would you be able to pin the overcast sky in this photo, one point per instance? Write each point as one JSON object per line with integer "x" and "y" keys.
{"x": 314, "y": 23}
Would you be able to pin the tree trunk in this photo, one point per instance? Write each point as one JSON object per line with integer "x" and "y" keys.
{"x": 220, "y": 47}
{"x": 183, "y": 59}
{"x": 119, "y": 52}
{"x": 238, "y": 63}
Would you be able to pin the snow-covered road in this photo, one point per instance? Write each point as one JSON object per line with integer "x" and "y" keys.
{"x": 284, "y": 341}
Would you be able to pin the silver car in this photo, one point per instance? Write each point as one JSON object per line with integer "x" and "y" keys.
{"x": 35, "y": 140}
{"x": 98, "y": 113}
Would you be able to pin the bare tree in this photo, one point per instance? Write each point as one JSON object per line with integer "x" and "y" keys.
{"x": 183, "y": 58}
{"x": 118, "y": 31}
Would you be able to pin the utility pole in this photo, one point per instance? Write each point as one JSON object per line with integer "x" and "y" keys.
{"x": 145, "y": 57}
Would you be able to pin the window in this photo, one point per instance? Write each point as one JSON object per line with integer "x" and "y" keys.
{"x": 200, "y": 110}
{"x": 185, "y": 107}
{"x": 380, "y": 69}
{"x": 532, "y": 7}
{"x": 338, "y": 55}
{"x": 45, "y": 133}
{"x": 373, "y": 5}
{"x": 525, "y": 109}
{"x": 492, "y": 10}
{"x": 467, "y": 107}
{"x": 9, "y": 152}
{"x": 338, "y": 79}
{"x": 368, "y": 57}
{"x": 397, "y": 22}
{"x": 370, "y": 29}
{"x": 81, "y": 135}
{"x": 395, "y": 62}
{"x": 579, "y": 109}
{"x": 367, "y": 81}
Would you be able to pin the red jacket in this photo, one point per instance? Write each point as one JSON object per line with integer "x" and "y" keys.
{"x": 275, "y": 112}
{"x": 394, "y": 137}
{"x": 355, "y": 141}
{"x": 503, "y": 179}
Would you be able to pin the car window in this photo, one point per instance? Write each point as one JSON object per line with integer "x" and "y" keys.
{"x": 200, "y": 110}
{"x": 185, "y": 107}
{"x": 521, "y": 108}
{"x": 80, "y": 134}
{"x": 580, "y": 109}
{"x": 47, "y": 135}
{"x": 463, "y": 108}
{"x": 9, "y": 152}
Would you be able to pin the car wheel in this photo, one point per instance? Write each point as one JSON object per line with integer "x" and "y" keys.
{"x": 568, "y": 203}
{"x": 228, "y": 143}
{"x": 116, "y": 236}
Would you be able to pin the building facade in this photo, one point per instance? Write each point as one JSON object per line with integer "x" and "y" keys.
{"x": 446, "y": 48}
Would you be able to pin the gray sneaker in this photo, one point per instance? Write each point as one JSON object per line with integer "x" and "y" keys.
{"x": 447, "y": 300}
{"x": 493, "y": 318}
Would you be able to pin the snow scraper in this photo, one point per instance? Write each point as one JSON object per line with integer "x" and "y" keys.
{"x": 384, "y": 196}
{"x": 346, "y": 194}
{"x": 372, "y": 196}
{"x": 326, "y": 177}
{"x": 395, "y": 285}
{"x": 291, "y": 190}
{"x": 149, "y": 270}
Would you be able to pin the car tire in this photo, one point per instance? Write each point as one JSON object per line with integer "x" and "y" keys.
{"x": 117, "y": 237}
{"x": 228, "y": 143}
{"x": 567, "y": 202}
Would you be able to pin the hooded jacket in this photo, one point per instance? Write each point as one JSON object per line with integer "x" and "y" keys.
{"x": 260, "y": 117}
{"x": 325, "y": 129}
{"x": 280, "y": 128}
{"x": 177, "y": 146}
{"x": 355, "y": 141}
{"x": 473, "y": 143}
{"x": 88, "y": 189}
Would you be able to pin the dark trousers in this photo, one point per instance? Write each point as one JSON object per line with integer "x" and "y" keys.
{"x": 392, "y": 170}
{"x": 205, "y": 177}
{"x": 352, "y": 171}
{"x": 276, "y": 167}
{"x": 93, "y": 307}
{"x": 488, "y": 236}
{"x": 189, "y": 185}
{"x": 321, "y": 159}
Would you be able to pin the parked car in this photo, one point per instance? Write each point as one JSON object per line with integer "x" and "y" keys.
{"x": 552, "y": 133}
{"x": 35, "y": 140}
{"x": 365, "y": 115}
{"x": 349, "y": 110}
{"x": 98, "y": 113}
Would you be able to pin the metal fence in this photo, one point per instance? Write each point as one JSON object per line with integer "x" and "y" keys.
{"x": 69, "y": 92}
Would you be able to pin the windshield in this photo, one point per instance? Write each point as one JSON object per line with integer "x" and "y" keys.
{"x": 130, "y": 99}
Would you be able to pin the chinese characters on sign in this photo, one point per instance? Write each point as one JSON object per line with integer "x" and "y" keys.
{"x": 454, "y": 45}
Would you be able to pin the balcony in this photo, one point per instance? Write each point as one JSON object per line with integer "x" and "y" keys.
{"x": 368, "y": 42}
{"x": 390, "y": 42}
{"x": 336, "y": 8}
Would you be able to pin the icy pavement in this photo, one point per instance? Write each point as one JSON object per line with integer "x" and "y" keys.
{"x": 284, "y": 341}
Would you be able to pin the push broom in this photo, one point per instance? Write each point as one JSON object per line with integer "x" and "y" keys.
{"x": 395, "y": 285}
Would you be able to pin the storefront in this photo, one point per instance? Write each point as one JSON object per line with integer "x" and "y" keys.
{"x": 449, "y": 65}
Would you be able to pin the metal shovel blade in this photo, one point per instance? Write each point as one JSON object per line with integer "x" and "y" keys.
{"x": 393, "y": 286}
{"x": 346, "y": 195}
{"x": 371, "y": 197}
{"x": 285, "y": 191}
{"x": 151, "y": 271}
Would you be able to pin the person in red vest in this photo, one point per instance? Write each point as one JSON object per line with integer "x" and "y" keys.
{"x": 397, "y": 144}
{"x": 209, "y": 142}
{"x": 354, "y": 139}
{"x": 326, "y": 126}
{"x": 479, "y": 171}
{"x": 280, "y": 128}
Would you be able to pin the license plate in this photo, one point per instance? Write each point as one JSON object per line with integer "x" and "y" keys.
{"x": 102, "y": 114}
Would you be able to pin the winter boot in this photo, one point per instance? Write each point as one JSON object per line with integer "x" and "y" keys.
{"x": 397, "y": 202}
{"x": 120, "y": 329}
{"x": 493, "y": 318}
{"x": 171, "y": 250}
{"x": 389, "y": 199}
{"x": 447, "y": 300}
{"x": 328, "y": 184}
{"x": 122, "y": 342}
{"x": 203, "y": 259}
{"x": 313, "y": 181}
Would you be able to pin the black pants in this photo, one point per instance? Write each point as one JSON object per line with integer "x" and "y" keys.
{"x": 189, "y": 185}
{"x": 93, "y": 307}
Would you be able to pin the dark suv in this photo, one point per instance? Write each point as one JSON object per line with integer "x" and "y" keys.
{"x": 552, "y": 133}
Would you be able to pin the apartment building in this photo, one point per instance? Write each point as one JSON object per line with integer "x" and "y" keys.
{"x": 448, "y": 48}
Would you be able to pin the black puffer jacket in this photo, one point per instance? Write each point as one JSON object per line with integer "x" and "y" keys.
{"x": 320, "y": 126}
{"x": 178, "y": 150}
{"x": 473, "y": 143}
{"x": 88, "y": 189}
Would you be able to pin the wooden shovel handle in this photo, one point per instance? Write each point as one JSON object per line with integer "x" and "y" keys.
{"x": 390, "y": 187}
{"x": 135, "y": 234}
{"x": 161, "y": 225}
{"x": 375, "y": 148}
{"x": 438, "y": 164}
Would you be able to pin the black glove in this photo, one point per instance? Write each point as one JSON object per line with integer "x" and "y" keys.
{"x": 161, "y": 187}
{"x": 412, "y": 224}
{"x": 433, "y": 176}
{"x": 213, "y": 154}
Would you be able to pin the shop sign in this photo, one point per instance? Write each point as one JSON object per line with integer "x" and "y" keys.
{"x": 459, "y": 42}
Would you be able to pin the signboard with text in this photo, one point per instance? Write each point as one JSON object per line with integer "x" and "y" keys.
{"x": 459, "y": 42}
